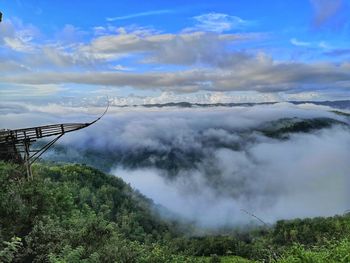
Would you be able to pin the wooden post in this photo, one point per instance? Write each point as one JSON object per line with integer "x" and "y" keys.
{"x": 27, "y": 160}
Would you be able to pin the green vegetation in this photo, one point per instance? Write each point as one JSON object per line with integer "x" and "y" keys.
{"x": 341, "y": 113}
{"x": 74, "y": 213}
{"x": 282, "y": 128}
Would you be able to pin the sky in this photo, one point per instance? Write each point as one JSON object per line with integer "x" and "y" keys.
{"x": 138, "y": 52}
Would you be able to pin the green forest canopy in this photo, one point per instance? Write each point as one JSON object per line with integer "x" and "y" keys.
{"x": 74, "y": 213}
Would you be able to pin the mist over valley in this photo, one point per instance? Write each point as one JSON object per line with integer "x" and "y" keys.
{"x": 207, "y": 165}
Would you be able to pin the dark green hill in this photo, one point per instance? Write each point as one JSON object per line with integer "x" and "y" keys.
{"x": 76, "y": 211}
{"x": 282, "y": 128}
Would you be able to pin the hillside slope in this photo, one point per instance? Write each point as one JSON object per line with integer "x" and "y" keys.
{"x": 74, "y": 213}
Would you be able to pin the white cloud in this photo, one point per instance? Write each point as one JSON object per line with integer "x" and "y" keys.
{"x": 251, "y": 73}
{"x": 183, "y": 48}
{"x": 17, "y": 44}
{"x": 17, "y": 36}
{"x": 25, "y": 91}
{"x": 299, "y": 43}
{"x": 140, "y": 14}
{"x": 218, "y": 22}
{"x": 121, "y": 68}
{"x": 324, "y": 45}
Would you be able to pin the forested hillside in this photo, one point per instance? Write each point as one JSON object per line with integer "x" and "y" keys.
{"x": 74, "y": 213}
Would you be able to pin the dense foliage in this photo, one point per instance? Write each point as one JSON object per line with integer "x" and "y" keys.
{"x": 71, "y": 213}
{"x": 74, "y": 213}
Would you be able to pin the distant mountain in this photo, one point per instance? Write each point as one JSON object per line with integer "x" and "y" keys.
{"x": 191, "y": 105}
{"x": 340, "y": 104}
{"x": 282, "y": 128}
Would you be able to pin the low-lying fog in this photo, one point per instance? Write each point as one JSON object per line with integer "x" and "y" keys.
{"x": 207, "y": 164}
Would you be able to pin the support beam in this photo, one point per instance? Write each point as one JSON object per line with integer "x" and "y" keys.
{"x": 27, "y": 159}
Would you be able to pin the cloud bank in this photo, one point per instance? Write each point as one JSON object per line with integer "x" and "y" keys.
{"x": 259, "y": 74}
{"x": 201, "y": 60}
{"x": 276, "y": 161}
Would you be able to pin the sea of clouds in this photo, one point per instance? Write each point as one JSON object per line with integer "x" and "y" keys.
{"x": 207, "y": 165}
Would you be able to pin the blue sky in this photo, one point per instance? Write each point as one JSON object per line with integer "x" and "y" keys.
{"x": 158, "y": 51}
